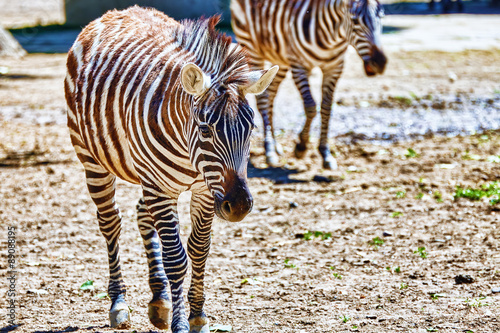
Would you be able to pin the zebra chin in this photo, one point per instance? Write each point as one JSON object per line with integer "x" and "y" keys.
{"x": 236, "y": 203}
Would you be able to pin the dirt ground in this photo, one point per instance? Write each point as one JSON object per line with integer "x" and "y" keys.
{"x": 322, "y": 251}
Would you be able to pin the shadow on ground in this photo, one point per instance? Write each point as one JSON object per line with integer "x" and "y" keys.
{"x": 278, "y": 175}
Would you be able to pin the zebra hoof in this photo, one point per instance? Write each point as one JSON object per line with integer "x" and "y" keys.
{"x": 330, "y": 164}
{"x": 199, "y": 325}
{"x": 159, "y": 313}
{"x": 119, "y": 316}
{"x": 272, "y": 159}
{"x": 300, "y": 150}
{"x": 279, "y": 149}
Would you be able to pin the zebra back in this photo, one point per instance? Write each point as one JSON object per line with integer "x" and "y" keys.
{"x": 307, "y": 32}
{"x": 161, "y": 103}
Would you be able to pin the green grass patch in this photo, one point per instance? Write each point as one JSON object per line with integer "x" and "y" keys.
{"x": 377, "y": 241}
{"x": 411, "y": 153}
{"x": 396, "y": 214}
{"x": 491, "y": 190}
{"x": 308, "y": 235}
{"x": 400, "y": 194}
{"x": 421, "y": 251}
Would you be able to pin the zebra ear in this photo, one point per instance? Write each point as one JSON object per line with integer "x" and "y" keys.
{"x": 193, "y": 80}
{"x": 259, "y": 81}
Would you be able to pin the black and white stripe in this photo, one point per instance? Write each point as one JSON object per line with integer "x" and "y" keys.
{"x": 162, "y": 104}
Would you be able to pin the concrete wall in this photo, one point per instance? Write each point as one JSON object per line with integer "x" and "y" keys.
{"x": 81, "y": 12}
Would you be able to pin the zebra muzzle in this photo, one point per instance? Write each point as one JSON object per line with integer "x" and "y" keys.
{"x": 375, "y": 64}
{"x": 237, "y": 202}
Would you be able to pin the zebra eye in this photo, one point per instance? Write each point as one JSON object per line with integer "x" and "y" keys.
{"x": 205, "y": 130}
{"x": 355, "y": 20}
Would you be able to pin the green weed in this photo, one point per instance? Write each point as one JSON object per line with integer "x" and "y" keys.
{"x": 410, "y": 153}
{"x": 475, "y": 302}
{"x": 345, "y": 318}
{"x": 87, "y": 285}
{"x": 438, "y": 196}
{"x": 491, "y": 190}
{"x": 288, "y": 264}
{"x": 396, "y": 214}
{"x": 421, "y": 251}
{"x": 308, "y": 235}
{"x": 377, "y": 241}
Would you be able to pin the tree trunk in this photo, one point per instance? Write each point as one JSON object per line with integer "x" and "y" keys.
{"x": 9, "y": 45}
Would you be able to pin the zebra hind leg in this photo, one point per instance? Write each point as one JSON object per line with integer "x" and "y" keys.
{"x": 330, "y": 79}
{"x": 101, "y": 185}
{"x": 160, "y": 307}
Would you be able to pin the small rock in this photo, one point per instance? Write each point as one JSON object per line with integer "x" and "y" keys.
{"x": 221, "y": 328}
{"x": 462, "y": 279}
{"x": 265, "y": 209}
{"x": 495, "y": 290}
{"x": 371, "y": 317}
{"x": 352, "y": 168}
{"x": 37, "y": 292}
{"x": 293, "y": 204}
{"x": 452, "y": 77}
{"x": 387, "y": 234}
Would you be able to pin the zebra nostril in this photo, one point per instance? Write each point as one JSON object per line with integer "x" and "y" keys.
{"x": 226, "y": 207}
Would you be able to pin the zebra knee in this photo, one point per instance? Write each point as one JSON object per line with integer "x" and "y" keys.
{"x": 311, "y": 111}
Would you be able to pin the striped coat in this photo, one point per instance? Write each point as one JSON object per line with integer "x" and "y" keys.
{"x": 299, "y": 35}
{"x": 162, "y": 104}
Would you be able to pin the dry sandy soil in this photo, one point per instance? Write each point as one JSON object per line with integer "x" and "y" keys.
{"x": 269, "y": 273}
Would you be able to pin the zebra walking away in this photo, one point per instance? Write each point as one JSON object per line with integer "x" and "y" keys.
{"x": 299, "y": 35}
{"x": 162, "y": 104}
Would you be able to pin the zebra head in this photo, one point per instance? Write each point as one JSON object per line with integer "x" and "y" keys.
{"x": 219, "y": 142}
{"x": 367, "y": 28}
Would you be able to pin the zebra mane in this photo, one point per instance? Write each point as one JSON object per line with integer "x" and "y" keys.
{"x": 358, "y": 7}
{"x": 212, "y": 50}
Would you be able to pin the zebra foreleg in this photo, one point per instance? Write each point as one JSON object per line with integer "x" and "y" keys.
{"x": 160, "y": 307}
{"x": 265, "y": 104}
{"x": 328, "y": 91}
{"x": 163, "y": 209}
{"x": 101, "y": 185}
{"x": 300, "y": 77}
{"x": 202, "y": 214}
